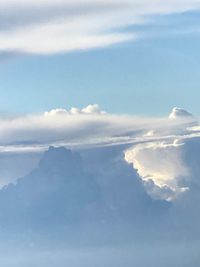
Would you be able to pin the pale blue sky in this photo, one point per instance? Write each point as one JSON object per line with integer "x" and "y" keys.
{"x": 146, "y": 77}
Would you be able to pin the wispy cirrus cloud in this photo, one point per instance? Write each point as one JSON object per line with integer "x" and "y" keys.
{"x": 44, "y": 27}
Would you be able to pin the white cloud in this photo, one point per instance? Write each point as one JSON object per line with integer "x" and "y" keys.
{"x": 92, "y": 109}
{"x": 178, "y": 113}
{"x": 157, "y": 146}
{"x": 89, "y": 110}
{"x": 89, "y": 125}
{"x": 161, "y": 163}
{"x": 58, "y": 26}
{"x": 54, "y": 112}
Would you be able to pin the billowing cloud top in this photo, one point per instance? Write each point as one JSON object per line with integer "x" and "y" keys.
{"x": 162, "y": 163}
{"x": 180, "y": 113}
{"x": 58, "y": 26}
{"x": 89, "y": 110}
{"x": 161, "y": 167}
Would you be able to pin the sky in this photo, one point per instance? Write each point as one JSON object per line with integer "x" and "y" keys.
{"x": 129, "y": 57}
{"x": 99, "y": 133}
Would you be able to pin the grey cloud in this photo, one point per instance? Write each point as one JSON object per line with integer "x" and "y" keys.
{"x": 62, "y": 191}
{"x": 22, "y": 16}
{"x": 96, "y": 190}
{"x": 73, "y": 205}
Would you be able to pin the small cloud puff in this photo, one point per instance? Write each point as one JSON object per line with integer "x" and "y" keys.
{"x": 179, "y": 113}
{"x": 89, "y": 110}
{"x": 57, "y": 111}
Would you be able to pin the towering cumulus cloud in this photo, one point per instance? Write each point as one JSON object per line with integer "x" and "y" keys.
{"x": 91, "y": 182}
{"x": 162, "y": 164}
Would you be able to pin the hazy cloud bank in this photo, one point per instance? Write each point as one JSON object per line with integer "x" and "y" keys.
{"x": 89, "y": 126}
{"x": 157, "y": 146}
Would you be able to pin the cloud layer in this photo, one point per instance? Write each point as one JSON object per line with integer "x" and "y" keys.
{"x": 44, "y": 27}
{"x": 87, "y": 126}
{"x": 157, "y": 147}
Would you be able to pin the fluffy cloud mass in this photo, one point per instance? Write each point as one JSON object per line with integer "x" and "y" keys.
{"x": 45, "y": 27}
{"x": 163, "y": 164}
{"x": 161, "y": 167}
{"x": 164, "y": 151}
{"x": 90, "y": 109}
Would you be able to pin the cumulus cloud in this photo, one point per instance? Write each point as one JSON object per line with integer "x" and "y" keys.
{"x": 178, "y": 113}
{"x": 157, "y": 146}
{"x": 161, "y": 164}
{"x": 89, "y": 110}
{"x": 44, "y": 27}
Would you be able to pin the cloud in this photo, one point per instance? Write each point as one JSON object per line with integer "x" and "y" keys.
{"x": 64, "y": 192}
{"x": 167, "y": 164}
{"x": 178, "y": 113}
{"x": 84, "y": 127}
{"x": 45, "y": 27}
{"x": 151, "y": 194}
{"x": 160, "y": 166}
{"x": 157, "y": 147}
{"x": 89, "y": 110}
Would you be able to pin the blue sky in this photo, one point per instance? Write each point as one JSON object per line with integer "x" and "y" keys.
{"x": 147, "y": 76}
{"x": 78, "y": 74}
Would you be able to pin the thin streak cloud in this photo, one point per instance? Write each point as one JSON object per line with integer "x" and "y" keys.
{"x": 46, "y": 27}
